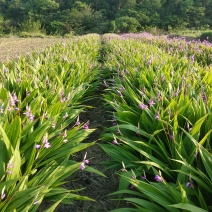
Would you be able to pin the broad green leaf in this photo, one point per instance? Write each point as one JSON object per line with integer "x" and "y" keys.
{"x": 13, "y": 131}
{"x": 197, "y": 125}
{"x": 188, "y": 207}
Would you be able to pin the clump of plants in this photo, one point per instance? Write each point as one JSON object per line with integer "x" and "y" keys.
{"x": 40, "y": 128}
{"x": 160, "y": 141}
{"x": 206, "y": 36}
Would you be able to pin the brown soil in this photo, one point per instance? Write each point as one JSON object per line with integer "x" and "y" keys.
{"x": 96, "y": 187}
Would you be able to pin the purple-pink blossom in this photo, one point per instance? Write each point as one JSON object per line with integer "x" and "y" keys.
{"x": 115, "y": 142}
{"x": 28, "y": 113}
{"x": 158, "y": 178}
{"x": 37, "y": 146}
{"x": 78, "y": 121}
{"x": 9, "y": 167}
{"x": 86, "y": 126}
{"x": 47, "y": 145}
{"x": 82, "y": 165}
{"x": 143, "y": 177}
{"x": 143, "y": 106}
{"x": 85, "y": 161}
{"x": 46, "y": 142}
{"x": 132, "y": 186}
{"x": 151, "y": 102}
{"x": 36, "y": 202}
{"x": 157, "y": 116}
{"x": 188, "y": 184}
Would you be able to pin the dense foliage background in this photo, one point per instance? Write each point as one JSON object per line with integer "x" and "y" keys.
{"x": 60, "y": 17}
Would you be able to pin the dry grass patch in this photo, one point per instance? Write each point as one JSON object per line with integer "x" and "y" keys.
{"x": 13, "y": 48}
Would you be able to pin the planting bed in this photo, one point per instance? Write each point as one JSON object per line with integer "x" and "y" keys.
{"x": 127, "y": 117}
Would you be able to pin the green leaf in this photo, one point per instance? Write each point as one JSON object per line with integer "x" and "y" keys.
{"x": 13, "y": 131}
{"x": 10, "y": 149}
{"x": 189, "y": 207}
{"x": 53, "y": 207}
{"x": 91, "y": 169}
{"x": 146, "y": 204}
{"x": 196, "y": 128}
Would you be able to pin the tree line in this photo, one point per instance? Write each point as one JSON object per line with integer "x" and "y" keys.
{"x": 59, "y": 17}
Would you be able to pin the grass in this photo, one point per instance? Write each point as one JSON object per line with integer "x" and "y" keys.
{"x": 189, "y": 32}
{"x": 12, "y": 48}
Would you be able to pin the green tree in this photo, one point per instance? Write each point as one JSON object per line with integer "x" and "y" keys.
{"x": 126, "y": 24}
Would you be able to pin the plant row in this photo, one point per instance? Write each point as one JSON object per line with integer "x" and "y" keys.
{"x": 194, "y": 50}
{"x": 41, "y": 99}
{"x": 160, "y": 141}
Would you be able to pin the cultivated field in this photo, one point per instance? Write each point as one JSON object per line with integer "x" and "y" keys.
{"x": 128, "y": 117}
{"x": 13, "y": 48}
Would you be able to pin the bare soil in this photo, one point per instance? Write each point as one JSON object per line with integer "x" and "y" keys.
{"x": 96, "y": 187}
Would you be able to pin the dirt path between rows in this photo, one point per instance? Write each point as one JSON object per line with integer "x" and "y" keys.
{"x": 96, "y": 187}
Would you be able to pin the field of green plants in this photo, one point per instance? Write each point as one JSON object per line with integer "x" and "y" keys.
{"x": 158, "y": 96}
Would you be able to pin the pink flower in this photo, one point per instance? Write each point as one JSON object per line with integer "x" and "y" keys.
{"x": 31, "y": 117}
{"x": 143, "y": 177}
{"x": 132, "y": 186}
{"x": 158, "y": 178}
{"x": 47, "y": 145}
{"x": 86, "y": 126}
{"x": 10, "y": 165}
{"x": 151, "y": 102}
{"x": 157, "y": 116}
{"x": 82, "y": 165}
{"x": 188, "y": 184}
{"x": 85, "y": 161}
{"x": 36, "y": 202}
{"x": 78, "y": 121}
{"x": 28, "y": 113}
{"x": 143, "y": 106}
{"x": 115, "y": 142}
{"x": 46, "y": 142}
{"x": 37, "y": 146}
